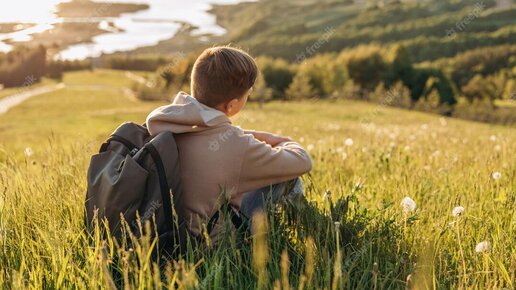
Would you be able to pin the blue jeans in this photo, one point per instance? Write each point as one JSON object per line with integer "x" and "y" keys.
{"x": 258, "y": 200}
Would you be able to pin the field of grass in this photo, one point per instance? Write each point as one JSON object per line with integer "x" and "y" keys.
{"x": 367, "y": 159}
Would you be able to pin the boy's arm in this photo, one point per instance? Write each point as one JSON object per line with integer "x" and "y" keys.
{"x": 265, "y": 165}
{"x": 268, "y": 138}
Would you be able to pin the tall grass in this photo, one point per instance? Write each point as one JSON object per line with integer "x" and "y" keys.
{"x": 352, "y": 234}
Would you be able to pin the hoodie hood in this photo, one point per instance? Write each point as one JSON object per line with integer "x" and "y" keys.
{"x": 185, "y": 115}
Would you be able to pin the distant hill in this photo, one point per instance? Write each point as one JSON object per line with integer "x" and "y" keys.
{"x": 430, "y": 30}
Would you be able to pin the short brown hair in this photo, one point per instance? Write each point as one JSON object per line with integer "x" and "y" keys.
{"x": 221, "y": 74}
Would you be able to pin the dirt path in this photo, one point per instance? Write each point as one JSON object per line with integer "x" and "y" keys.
{"x": 11, "y": 101}
{"x": 138, "y": 79}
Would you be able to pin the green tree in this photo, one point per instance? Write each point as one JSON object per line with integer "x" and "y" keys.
{"x": 277, "y": 74}
{"x": 300, "y": 87}
{"x": 261, "y": 92}
{"x": 367, "y": 68}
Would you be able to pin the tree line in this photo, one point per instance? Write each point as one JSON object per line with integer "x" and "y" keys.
{"x": 475, "y": 79}
{"x": 25, "y": 66}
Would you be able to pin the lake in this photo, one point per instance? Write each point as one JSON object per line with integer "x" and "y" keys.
{"x": 139, "y": 29}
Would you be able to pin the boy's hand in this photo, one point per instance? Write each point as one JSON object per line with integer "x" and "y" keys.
{"x": 269, "y": 138}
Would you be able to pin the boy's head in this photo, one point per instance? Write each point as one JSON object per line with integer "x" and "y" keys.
{"x": 222, "y": 78}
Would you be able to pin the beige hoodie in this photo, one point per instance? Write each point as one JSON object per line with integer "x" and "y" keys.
{"x": 217, "y": 157}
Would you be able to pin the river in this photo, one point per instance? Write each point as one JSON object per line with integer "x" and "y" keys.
{"x": 139, "y": 29}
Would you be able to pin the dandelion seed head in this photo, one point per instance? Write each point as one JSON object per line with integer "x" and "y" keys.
{"x": 349, "y": 142}
{"x": 28, "y": 152}
{"x": 493, "y": 138}
{"x": 310, "y": 147}
{"x": 457, "y": 211}
{"x": 496, "y": 175}
{"x": 443, "y": 121}
{"x": 483, "y": 247}
{"x": 497, "y": 148}
{"x": 408, "y": 204}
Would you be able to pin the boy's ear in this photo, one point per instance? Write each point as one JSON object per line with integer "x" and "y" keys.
{"x": 230, "y": 105}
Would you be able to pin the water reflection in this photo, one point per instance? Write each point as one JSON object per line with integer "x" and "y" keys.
{"x": 132, "y": 30}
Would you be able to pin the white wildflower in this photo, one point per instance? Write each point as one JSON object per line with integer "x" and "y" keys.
{"x": 482, "y": 247}
{"x": 349, "y": 142}
{"x": 310, "y": 147}
{"x": 457, "y": 211}
{"x": 493, "y": 138}
{"x": 28, "y": 152}
{"x": 344, "y": 156}
{"x": 496, "y": 175}
{"x": 443, "y": 121}
{"x": 407, "y": 148}
{"x": 497, "y": 148}
{"x": 408, "y": 204}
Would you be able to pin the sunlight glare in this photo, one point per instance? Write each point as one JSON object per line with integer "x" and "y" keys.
{"x": 29, "y": 11}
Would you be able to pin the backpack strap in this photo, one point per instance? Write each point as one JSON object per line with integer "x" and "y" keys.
{"x": 163, "y": 184}
{"x": 119, "y": 139}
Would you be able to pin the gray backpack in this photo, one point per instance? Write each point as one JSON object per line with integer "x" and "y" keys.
{"x": 130, "y": 182}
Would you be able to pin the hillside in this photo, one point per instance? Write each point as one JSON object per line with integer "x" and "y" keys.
{"x": 429, "y": 29}
{"x": 371, "y": 154}
{"x": 450, "y": 57}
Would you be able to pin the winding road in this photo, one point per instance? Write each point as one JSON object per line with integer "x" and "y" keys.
{"x": 11, "y": 101}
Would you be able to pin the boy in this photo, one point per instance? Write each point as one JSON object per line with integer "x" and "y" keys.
{"x": 217, "y": 159}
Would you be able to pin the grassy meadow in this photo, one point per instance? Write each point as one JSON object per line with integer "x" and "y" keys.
{"x": 367, "y": 159}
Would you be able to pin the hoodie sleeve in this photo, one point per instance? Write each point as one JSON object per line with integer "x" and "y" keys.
{"x": 264, "y": 165}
